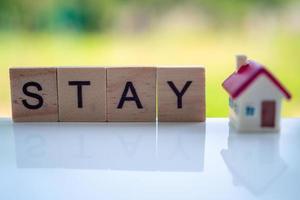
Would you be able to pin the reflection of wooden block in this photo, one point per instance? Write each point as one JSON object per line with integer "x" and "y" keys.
{"x": 82, "y": 94}
{"x": 130, "y": 82}
{"x": 34, "y": 94}
{"x": 181, "y": 94}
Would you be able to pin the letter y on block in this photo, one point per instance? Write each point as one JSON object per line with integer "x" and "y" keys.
{"x": 181, "y": 94}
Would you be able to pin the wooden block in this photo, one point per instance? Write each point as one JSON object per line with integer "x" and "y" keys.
{"x": 82, "y": 94}
{"x": 181, "y": 94}
{"x": 34, "y": 94}
{"x": 131, "y": 94}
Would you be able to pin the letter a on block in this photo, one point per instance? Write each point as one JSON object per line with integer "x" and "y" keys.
{"x": 82, "y": 94}
{"x": 181, "y": 94}
{"x": 131, "y": 94}
{"x": 34, "y": 94}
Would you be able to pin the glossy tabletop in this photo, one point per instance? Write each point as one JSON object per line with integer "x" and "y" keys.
{"x": 60, "y": 161}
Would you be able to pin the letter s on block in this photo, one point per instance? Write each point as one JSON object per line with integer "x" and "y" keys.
{"x": 33, "y": 95}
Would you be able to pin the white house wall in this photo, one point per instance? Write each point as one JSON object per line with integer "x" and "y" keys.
{"x": 262, "y": 89}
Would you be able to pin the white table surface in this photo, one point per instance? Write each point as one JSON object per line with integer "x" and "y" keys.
{"x": 103, "y": 161}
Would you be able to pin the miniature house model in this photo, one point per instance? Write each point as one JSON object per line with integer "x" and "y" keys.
{"x": 255, "y": 97}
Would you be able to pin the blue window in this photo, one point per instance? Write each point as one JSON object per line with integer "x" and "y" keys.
{"x": 235, "y": 108}
{"x": 233, "y": 105}
{"x": 230, "y": 102}
{"x": 250, "y": 111}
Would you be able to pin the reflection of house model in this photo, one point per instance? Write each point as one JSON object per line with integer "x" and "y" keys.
{"x": 251, "y": 164}
{"x": 256, "y": 97}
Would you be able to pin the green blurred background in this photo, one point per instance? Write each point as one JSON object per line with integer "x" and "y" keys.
{"x": 154, "y": 32}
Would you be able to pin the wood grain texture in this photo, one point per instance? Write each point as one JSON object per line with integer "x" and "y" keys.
{"x": 37, "y": 81}
{"x": 82, "y": 94}
{"x": 193, "y": 100}
{"x": 143, "y": 80}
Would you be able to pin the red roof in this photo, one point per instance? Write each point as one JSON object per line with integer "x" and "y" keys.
{"x": 237, "y": 82}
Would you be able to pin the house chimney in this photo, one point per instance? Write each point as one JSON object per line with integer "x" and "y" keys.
{"x": 241, "y": 60}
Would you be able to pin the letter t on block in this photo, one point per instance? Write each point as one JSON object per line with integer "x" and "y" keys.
{"x": 82, "y": 94}
{"x": 181, "y": 94}
{"x": 34, "y": 94}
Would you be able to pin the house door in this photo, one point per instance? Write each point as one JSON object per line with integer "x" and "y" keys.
{"x": 268, "y": 114}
